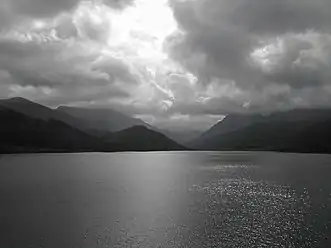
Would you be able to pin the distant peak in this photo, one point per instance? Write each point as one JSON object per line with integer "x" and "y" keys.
{"x": 72, "y": 108}
{"x": 61, "y": 107}
{"x": 18, "y": 99}
{"x": 139, "y": 127}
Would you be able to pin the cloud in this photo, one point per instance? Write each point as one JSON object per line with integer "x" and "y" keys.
{"x": 118, "y": 4}
{"x": 39, "y": 8}
{"x": 270, "y": 55}
{"x": 299, "y": 60}
{"x": 50, "y": 8}
{"x": 279, "y": 16}
{"x": 91, "y": 55}
{"x": 43, "y": 64}
{"x": 174, "y": 61}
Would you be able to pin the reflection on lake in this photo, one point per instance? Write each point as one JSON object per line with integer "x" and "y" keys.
{"x": 165, "y": 199}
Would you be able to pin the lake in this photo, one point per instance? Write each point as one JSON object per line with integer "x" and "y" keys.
{"x": 165, "y": 199}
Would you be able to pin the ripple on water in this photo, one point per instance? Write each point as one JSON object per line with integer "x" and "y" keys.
{"x": 245, "y": 213}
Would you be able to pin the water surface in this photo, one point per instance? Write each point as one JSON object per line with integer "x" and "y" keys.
{"x": 165, "y": 199}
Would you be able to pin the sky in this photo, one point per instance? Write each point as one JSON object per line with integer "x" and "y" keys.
{"x": 174, "y": 63}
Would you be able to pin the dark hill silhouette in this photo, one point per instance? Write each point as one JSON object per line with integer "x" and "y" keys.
{"x": 229, "y": 124}
{"x": 292, "y": 131}
{"x": 180, "y": 136}
{"x": 233, "y": 122}
{"x": 28, "y": 108}
{"x": 38, "y": 111}
{"x": 30, "y": 127}
{"x": 97, "y": 122}
{"x": 141, "y": 138}
{"x": 20, "y": 133}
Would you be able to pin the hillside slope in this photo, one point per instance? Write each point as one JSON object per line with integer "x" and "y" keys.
{"x": 293, "y": 131}
{"x": 26, "y": 126}
{"x": 234, "y": 122}
{"x": 102, "y": 120}
{"x": 20, "y": 133}
{"x": 140, "y": 138}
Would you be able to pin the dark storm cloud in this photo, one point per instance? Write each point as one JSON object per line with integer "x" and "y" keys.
{"x": 49, "y": 8}
{"x": 118, "y": 4}
{"x": 265, "y": 47}
{"x": 67, "y": 75}
{"x": 85, "y": 94}
{"x": 227, "y": 56}
{"x": 39, "y": 8}
{"x": 116, "y": 70}
{"x": 210, "y": 47}
{"x": 279, "y": 16}
{"x": 257, "y": 16}
{"x": 303, "y": 62}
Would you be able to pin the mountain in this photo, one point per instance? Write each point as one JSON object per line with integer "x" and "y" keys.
{"x": 292, "y": 131}
{"x": 228, "y": 124}
{"x": 101, "y": 121}
{"x": 40, "y": 112}
{"x": 27, "y": 108}
{"x": 141, "y": 138}
{"x": 92, "y": 121}
{"x": 30, "y": 127}
{"x": 276, "y": 136}
{"x": 20, "y": 133}
{"x": 180, "y": 136}
{"x": 234, "y": 122}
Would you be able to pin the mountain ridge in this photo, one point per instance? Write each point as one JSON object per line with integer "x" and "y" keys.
{"x": 107, "y": 120}
{"x": 289, "y": 131}
{"x": 233, "y": 122}
{"x": 27, "y": 126}
{"x": 23, "y": 130}
{"x": 137, "y": 139}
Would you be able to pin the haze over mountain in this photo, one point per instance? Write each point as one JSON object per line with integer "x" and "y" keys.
{"x": 176, "y": 63}
{"x": 93, "y": 121}
{"x": 88, "y": 120}
{"x": 33, "y": 109}
{"x": 181, "y": 136}
{"x": 141, "y": 138}
{"x": 21, "y": 133}
{"x": 30, "y": 127}
{"x": 304, "y": 130}
{"x": 101, "y": 120}
{"x": 38, "y": 111}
